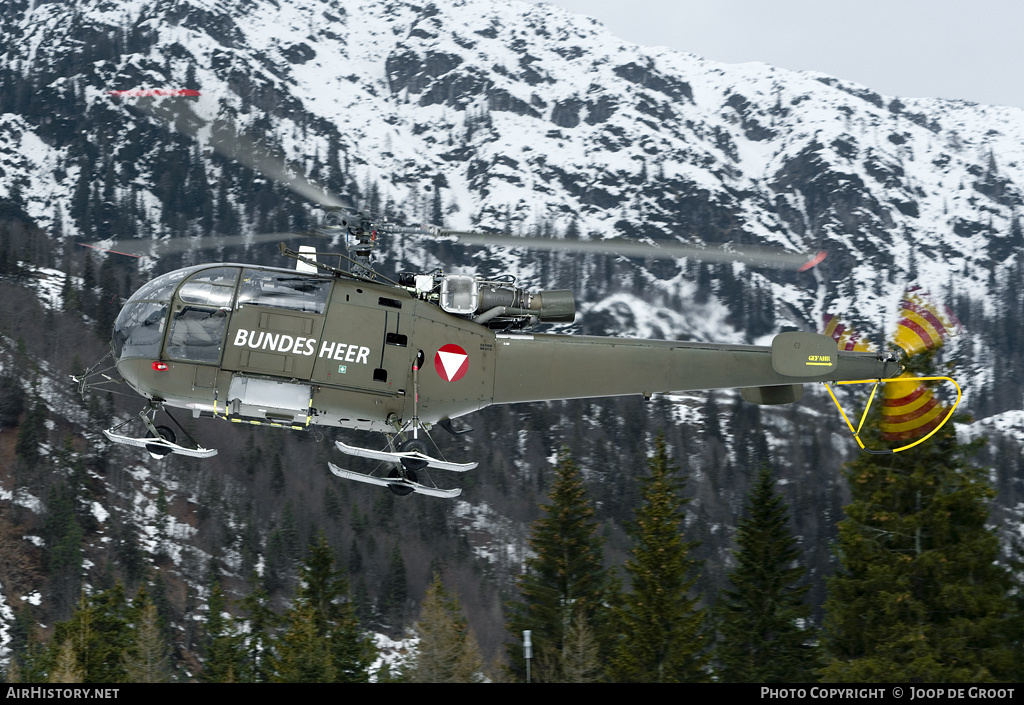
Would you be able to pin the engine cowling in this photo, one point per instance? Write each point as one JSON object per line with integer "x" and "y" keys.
{"x": 495, "y": 302}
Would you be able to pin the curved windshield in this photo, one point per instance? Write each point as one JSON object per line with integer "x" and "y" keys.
{"x": 139, "y": 330}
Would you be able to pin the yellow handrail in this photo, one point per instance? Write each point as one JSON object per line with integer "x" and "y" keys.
{"x": 876, "y": 382}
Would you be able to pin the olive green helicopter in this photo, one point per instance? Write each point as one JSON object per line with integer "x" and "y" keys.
{"x": 341, "y": 345}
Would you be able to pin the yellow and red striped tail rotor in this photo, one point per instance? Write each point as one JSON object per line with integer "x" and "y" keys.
{"x": 910, "y": 409}
{"x": 846, "y": 337}
{"x": 924, "y": 324}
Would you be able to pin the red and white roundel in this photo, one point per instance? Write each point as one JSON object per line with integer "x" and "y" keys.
{"x": 451, "y": 362}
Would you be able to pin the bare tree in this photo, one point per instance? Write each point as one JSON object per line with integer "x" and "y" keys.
{"x": 147, "y": 660}
{"x": 448, "y": 650}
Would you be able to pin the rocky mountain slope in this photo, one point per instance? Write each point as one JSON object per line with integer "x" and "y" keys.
{"x": 507, "y": 116}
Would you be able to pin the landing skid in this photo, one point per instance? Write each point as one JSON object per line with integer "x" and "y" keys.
{"x": 160, "y": 447}
{"x": 398, "y": 485}
{"x": 410, "y": 457}
{"x": 398, "y": 456}
{"x": 161, "y": 441}
{"x": 403, "y": 479}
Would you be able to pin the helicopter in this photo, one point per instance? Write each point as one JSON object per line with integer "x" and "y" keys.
{"x": 319, "y": 345}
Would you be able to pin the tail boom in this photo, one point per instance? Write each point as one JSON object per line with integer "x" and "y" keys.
{"x": 548, "y": 367}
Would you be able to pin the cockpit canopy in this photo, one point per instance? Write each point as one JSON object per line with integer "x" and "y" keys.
{"x": 198, "y": 301}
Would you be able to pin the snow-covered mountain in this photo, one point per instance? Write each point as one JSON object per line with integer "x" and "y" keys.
{"x": 522, "y": 117}
{"x": 526, "y": 115}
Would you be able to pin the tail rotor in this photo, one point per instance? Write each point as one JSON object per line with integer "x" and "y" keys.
{"x": 910, "y": 409}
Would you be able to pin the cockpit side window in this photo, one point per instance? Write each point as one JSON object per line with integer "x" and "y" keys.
{"x": 197, "y": 334}
{"x": 288, "y": 290}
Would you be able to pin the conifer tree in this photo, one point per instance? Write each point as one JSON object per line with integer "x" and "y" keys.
{"x": 100, "y": 632}
{"x": 108, "y": 304}
{"x": 658, "y": 621}
{"x": 762, "y": 637}
{"x": 63, "y": 535}
{"x": 920, "y": 596}
{"x": 12, "y": 400}
{"x": 31, "y": 663}
{"x": 1016, "y": 622}
{"x": 322, "y": 641}
{"x": 565, "y": 577}
{"x": 326, "y": 590}
{"x": 257, "y": 641}
{"x": 447, "y": 651}
{"x": 224, "y": 656}
{"x": 302, "y": 655}
{"x": 394, "y": 589}
{"x": 87, "y": 295}
{"x": 68, "y": 293}
{"x": 32, "y": 434}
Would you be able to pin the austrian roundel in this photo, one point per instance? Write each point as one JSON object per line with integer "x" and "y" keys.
{"x": 451, "y": 362}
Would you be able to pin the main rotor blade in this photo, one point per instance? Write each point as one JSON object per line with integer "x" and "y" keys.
{"x": 239, "y": 146}
{"x": 245, "y": 150}
{"x": 144, "y": 248}
{"x": 749, "y": 254}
